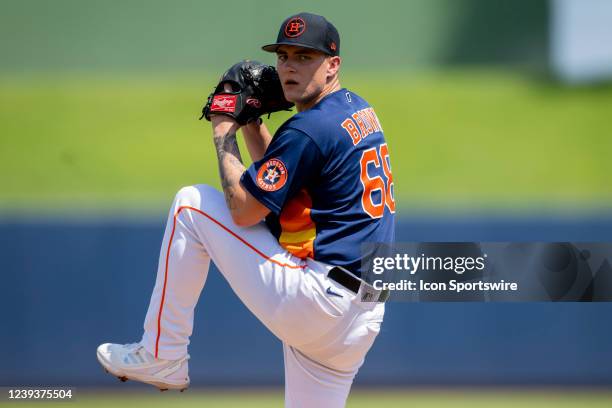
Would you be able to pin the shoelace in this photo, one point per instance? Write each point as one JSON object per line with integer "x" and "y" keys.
{"x": 136, "y": 348}
{"x": 133, "y": 346}
{"x": 136, "y": 353}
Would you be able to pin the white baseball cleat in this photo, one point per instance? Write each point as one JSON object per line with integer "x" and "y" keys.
{"x": 133, "y": 362}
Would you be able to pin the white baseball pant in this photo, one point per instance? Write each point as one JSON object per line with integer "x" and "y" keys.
{"x": 325, "y": 337}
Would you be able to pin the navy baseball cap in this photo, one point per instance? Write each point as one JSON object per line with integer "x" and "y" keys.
{"x": 309, "y": 31}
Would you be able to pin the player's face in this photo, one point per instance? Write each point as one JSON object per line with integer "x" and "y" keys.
{"x": 305, "y": 74}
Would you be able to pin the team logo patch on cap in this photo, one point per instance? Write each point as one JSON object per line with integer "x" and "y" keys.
{"x": 272, "y": 175}
{"x": 295, "y": 27}
{"x": 223, "y": 103}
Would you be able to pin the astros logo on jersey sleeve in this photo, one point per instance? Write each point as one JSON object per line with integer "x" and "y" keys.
{"x": 272, "y": 175}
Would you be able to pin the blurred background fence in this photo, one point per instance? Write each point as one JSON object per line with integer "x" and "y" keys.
{"x": 83, "y": 283}
{"x": 194, "y": 35}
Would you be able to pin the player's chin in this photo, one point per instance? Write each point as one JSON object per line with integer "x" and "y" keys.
{"x": 293, "y": 91}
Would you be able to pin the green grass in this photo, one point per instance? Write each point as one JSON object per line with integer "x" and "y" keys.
{"x": 357, "y": 399}
{"x": 457, "y": 139}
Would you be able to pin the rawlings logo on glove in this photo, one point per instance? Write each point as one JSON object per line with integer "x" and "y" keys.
{"x": 223, "y": 103}
{"x": 255, "y": 90}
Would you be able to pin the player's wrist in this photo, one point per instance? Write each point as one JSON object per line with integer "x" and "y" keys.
{"x": 254, "y": 124}
{"x": 223, "y": 124}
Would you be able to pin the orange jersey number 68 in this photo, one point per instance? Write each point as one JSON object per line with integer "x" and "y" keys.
{"x": 376, "y": 183}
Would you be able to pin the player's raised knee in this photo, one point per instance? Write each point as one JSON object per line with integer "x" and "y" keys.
{"x": 189, "y": 196}
{"x": 196, "y": 195}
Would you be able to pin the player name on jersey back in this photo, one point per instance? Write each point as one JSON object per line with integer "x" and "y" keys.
{"x": 361, "y": 124}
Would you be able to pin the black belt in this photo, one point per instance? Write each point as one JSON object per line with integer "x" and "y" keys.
{"x": 353, "y": 283}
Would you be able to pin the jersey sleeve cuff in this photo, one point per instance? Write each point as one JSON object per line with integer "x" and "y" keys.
{"x": 248, "y": 183}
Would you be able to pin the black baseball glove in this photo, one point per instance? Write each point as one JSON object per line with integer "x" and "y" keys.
{"x": 256, "y": 90}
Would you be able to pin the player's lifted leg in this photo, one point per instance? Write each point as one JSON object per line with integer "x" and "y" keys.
{"x": 200, "y": 228}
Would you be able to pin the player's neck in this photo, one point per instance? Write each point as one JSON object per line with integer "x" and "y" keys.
{"x": 331, "y": 87}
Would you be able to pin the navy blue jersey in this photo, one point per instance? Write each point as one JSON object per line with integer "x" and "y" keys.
{"x": 326, "y": 178}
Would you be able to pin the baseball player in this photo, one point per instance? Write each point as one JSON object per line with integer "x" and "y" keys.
{"x": 286, "y": 232}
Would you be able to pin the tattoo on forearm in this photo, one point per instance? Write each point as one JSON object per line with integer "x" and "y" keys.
{"x": 230, "y": 165}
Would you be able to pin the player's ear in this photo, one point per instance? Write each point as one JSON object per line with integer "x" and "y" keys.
{"x": 333, "y": 65}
